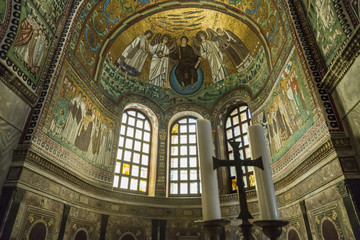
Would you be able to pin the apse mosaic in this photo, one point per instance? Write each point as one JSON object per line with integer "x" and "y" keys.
{"x": 116, "y": 84}
{"x": 100, "y": 21}
{"x": 217, "y": 52}
{"x": 326, "y": 27}
{"x": 31, "y": 44}
{"x": 80, "y": 125}
{"x": 288, "y": 113}
{"x": 145, "y": 54}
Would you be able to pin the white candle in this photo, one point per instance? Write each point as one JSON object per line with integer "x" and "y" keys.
{"x": 209, "y": 182}
{"x": 264, "y": 181}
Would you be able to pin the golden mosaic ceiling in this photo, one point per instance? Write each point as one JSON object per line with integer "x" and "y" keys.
{"x": 107, "y": 28}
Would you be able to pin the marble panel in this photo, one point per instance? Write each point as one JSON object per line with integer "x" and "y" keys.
{"x": 353, "y": 120}
{"x": 347, "y": 91}
{"x": 12, "y": 108}
{"x": 9, "y": 137}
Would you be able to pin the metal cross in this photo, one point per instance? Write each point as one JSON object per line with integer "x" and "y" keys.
{"x": 239, "y": 163}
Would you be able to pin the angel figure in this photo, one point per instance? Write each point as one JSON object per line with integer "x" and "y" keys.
{"x": 159, "y": 49}
{"x": 134, "y": 56}
{"x": 209, "y": 49}
{"x": 232, "y": 45}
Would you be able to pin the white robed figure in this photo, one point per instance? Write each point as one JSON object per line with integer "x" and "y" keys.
{"x": 133, "y": 58}
{"x": 210, "y": 50}
{"x": 104, "y": 143}
{"x": 71, "y": 119}
{"x": 39, "y": 49}
{"x": 159, "y": 65}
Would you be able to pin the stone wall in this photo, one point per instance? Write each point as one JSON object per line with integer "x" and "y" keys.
{"x": 13, "y": 115}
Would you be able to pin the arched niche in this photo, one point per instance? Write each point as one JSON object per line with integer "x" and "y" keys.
{"x": 81, "y": 234}
{"x": 38, "y": 230}
{"x": 128, "y": 236}
{"x": 293, "y": 235}
{"x": 328, "y": 230}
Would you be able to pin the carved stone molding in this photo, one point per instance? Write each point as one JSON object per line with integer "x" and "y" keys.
{"x": 343, "y": 61}
{"x": 103, "y": 199}
{"x": 80, "y": 224}
{"x": 320, "y": 154}
{"x": 30, "y": 157}
{"x": 34, "y": 215}
{"x": 342, "y": 189}
{"x": 310, "y": 141}
{"x": 334, "y": 213}
{"x": 38, "y": 161}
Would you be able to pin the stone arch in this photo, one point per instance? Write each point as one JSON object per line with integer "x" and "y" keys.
{"x": 38, "y": 230}
{"x": 128, "y": 236}
{"x": 81, "y": 234}
{"x": 292, "y": 234}
{"x": 329, "y": 230}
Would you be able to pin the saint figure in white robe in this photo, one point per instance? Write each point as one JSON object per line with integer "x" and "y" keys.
{"x": 159, "y": 65}
{"x": 133, "y": 58}
{"x": 210, "y": 50}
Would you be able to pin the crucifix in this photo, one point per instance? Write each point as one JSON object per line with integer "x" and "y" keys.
{"x": 238, "y": 163}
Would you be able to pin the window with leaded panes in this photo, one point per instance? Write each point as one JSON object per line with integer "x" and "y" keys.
{"x": 184, "y": 176}
{"x": 133, "y": 155}
{"x": 236, "y": 129}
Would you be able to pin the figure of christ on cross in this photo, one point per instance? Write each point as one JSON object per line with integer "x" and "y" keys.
{"x": 238, "y": 163}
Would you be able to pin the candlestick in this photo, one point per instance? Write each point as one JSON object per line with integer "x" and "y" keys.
{"x": 271, "y": 228}
{"x": 264, "y": 181}
{"x": 213, "y": 229}
{"x": 210, "y": 195}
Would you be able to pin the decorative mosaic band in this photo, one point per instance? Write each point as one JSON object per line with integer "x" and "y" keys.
{"x": 50, "y": 76}
{"x": 314, "y": 60}
{"x": 343, "y": 61}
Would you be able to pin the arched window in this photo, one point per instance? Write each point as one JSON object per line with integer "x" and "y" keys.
{"x": 133, "y": 156}
{"x": 184, "y": 174}
{"x": 236, "y": 129}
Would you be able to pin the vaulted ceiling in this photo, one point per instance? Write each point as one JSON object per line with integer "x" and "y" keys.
{"x": 106, "y": 28}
